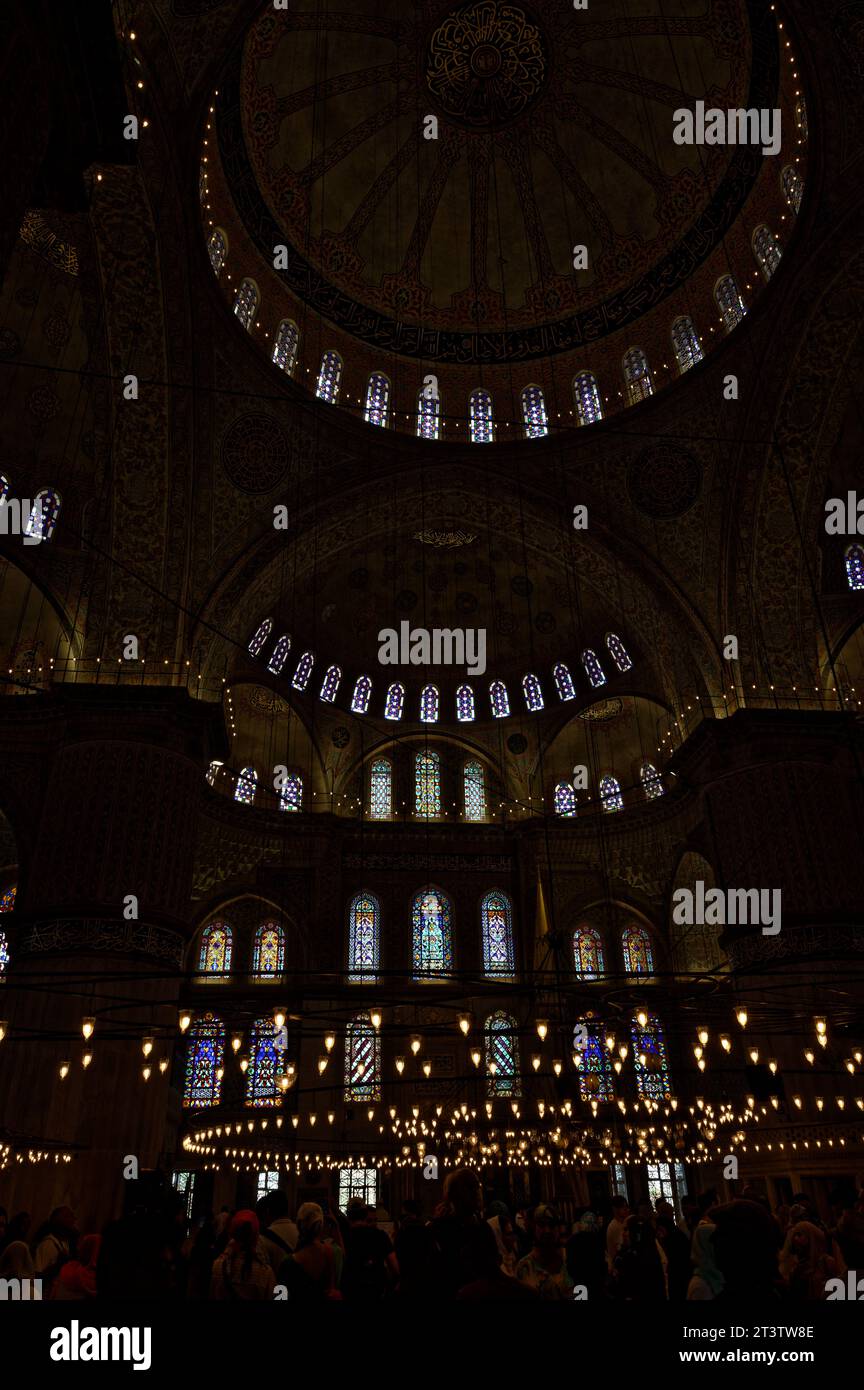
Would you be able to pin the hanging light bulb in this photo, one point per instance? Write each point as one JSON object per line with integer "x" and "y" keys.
{"x": 753, "y": 1054}
{"x": 163, "y": 1065}
{"x": 64, "y": 1070}
{"x": 184, "y": 1018}
{"x": 86, "y": 1058}
{"x": 375, "y": 1017}
{"x": 642, "y": 1018}
{"x": 244, "y": 1065}
{"x": 279, "y": 1018}
{"x": 741, "y": 1015}
{"x": 557, "y": 1067}
{"x": 322, "y": 1065}
{"x": 697, "y": 1052}
{"x": 725, "y": 1042}
{"x": 236, "y": 1042}
{"x": 772, "y": 1065}
{"x": 427, "y": 1068}
{"x": 312, "y": 1119}
{"x": 146, "y": 1073}
{"x": 331, "y": 1116}
{"x": 542, "y": 1028}
{"x": 703, "y": 1036}
{"x": 475, "y": 1056}
{"x": 609, "y": 1041}
{"x": 622, "y": 1052}
{"x": 536, "y": 1060}
{"x": 797, "y": 1102}
{"x": 416, "y": 1043}
{"x": 809, "y": 1055}
{"x": 147, "y": 1046}
{"x": 330, "y": 1041}
{"x": 87, "y": 1026}
{"x": 400, "y": 1065}
{"x": 821, "y": 1025}
{"x": 465, "y": 1024}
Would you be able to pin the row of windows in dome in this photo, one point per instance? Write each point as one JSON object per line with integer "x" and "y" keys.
{"x": 611, "y": 797}
{"x": 44, "y": 510}
{"x": 598, "y": 1064}
{"x": 7, "y": 904}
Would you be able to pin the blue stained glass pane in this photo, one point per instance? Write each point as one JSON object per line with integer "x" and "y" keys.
{"x": 564, "y": 682}
{"x": 217, "y": 248}
{"x": 855, "y": 567}
{"x": 362, "y": 1060}
{"x": 652, "y": 1074}
{"x": 474, "y": 785}
{"x": 465, "y": 704}
{"x": 246, "y": 303}
{"x": 204, "y": 1058}
{"x": 496, "y": 920}
{"x": 360, "y": 698}
{"x": 285, "y": 346}
{"x": 610, "y": 794}
{"x": 588, "y": 959}
{"x": 431, "y": 931}
{"x": 364, "y": 927}
{"x": 7, "y": 898}
{"x": 43, "y": 514}
{"x": 304, "y": 671}
{"x": 685, "y": 341}
{"x": 429, "y": 703}
{"x": 330, "y": 684}
{"x": 380, "y": 788}
{"x": 500, "y": 699}
{"x": 534, "y": 413}
{"x": 214, "y": 957}
{"x": 593, "y": 669}
{"x": 636, "y": 947}
{"x": 394, "y": 702}
{"x": 588, "y": 407}
{"x": 265, "y": 1063}
{"x": 247, "y": 783}
{"x": 329, "y": 377}
{"x": 428, "y": 416}
{"x": 268, "y": 952}
{"x": 652, "y": 782}
{"x": 618, "y": 652}
{"x": 377, "y": 400}
{"x": 767, "y": 250}
{"x": 480, "y": 417}
{"x": 637, "y": 375}
{"x": 427, "y": 784}
{"x": 291, "y": 793}
{"x": 502, "y": 1056}
{"x": 596, "y": 1077}
{"x": 533, "y": 692}
{"x": 565, "y": 799}
{"x": 729, "y": 302}
{"x": 260, "y": 637}
{"x": 280, "y": 655}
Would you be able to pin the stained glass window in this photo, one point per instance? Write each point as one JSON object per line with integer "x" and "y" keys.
{"x": 377, "y": 400}
{"x": 381, "y": 790}
{"x": 214, "y": 958}
{"x": 637, "y": 375}
{"x": 729, "y": 302}
{"x": 247, "y": 783}
{"x": 533, "y": 692}
{"x": 7, "y": 898}
{"x": 801, "y": 117}
{"x": 565, "y": 800}
{"x": 427, "y": 784}
{"x": 502, "y": 1056}
{"x": 793, "y": 188}
{"x": 362, "y": 1060}
{"x": 500, "y": 699}
{"x": 593, "y": 669}
{"x": 610, "y": 794}
{"x": 360, "y": 1184}
{"x": 329, "y": 377}
{"x": 364, "y": 931}
{"x": 394, "y": 702}
{"x": 534, "y": 413}
{"x": 4, "y": 488}
{"x": 268, "y": 952}
{"x": 205, "y": 1052}
{"x": 285, "y": 346}
{"x": 428, "y": 416}
{"x": 431, "y": 931}
{"x": 588, "y": 959}
{"x": 4, "y": 956}
{"x": 596, "y": 1077}
{"x": 7, "y": 904}
{"x": 304, "y": 670}
{"x": 618, "y": 652}
{"x": 429, "y": 703}
{"x": 212, "y": 771}
{"x": 497, "y": 923}
{"x": 855, "y": 566}
{"x": 588, "y": 407}
{"x": 685, "y": 341}
{"x": 260, "y": 637}
{"x": 767, "y": 250}
{"x": 465, "y": 704}
{"x": 652, "y": 782}
{"x": 649, "y": 1059}
{"x": 280, "y": 655}
{"x": 474, "y": 791}
{"x": 330, "y": 684}
{"x": 564, "y": 682}
{"x": 246, "y": 302}
{"x": 217, "y": 249}
{"x": 480, "y": 417}
{"x": 265, "y": 1063}
{"x": 362, "y": 692}
{"x": 291, "y": 793}
{"x": 636, "y": 946}
{"x": 43, "y": 514}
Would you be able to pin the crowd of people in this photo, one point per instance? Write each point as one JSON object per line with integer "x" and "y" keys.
{"x": 463, "y": 1250}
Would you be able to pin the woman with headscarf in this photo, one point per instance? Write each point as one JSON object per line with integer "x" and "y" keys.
{"x": 706, "y": 1281}
{"x": 16, "y": 1262}
{"x": 243, "y": 1271}
{"x": 310, "y": 1273}
{"x": 77, "y": 1277}
{"x": 805, "y": 1263}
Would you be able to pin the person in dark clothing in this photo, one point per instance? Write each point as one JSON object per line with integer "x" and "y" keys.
{"x": 370, "y": 1264}
{"x": 676, "y": 1247}
{"x": 586, "y": 1256}
{"x": 486, "y": 1279}
{"x": 415, "y": 1254}
{"x": 746, "y": 1243}
{"x": 637, "y": 1273}
{"x": 454, "y": 1228}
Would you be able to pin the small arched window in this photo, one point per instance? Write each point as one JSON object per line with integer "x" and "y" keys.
{"x": 330, "y": 684}
{"x": 592, "y": 1061}
{"x": 588, "y": 962}
{"x": 564, "y": 682}
{"x": 534, "y": 416}
{"x": 381, "y": 789}
{"x": 301, "y": 676}
{"x": 280, "y": 655}
{"x": 4, "y": 956}
{"x": 362, "y": 1060}
{"x": 213, "y": 770}
{"x": 286, "y": 345}
{"x": 7, "y": 898}
{"x": 533, "y": 692}
{"x": 364, "y": 935}
{"x": 496, "y": 920}
{"x": 362, "y": 692}
{"x": 618, "y": 652}
{"x": 793, "y": 187}
{"x": 427, "y": 784}
{"x": 685, "y": 341}
{"x": 593, "y": 669}
{"x": 377, "y": 400}
{"x": 205, "y": 1056}
{"x": 855, "y": 567}
{"x": 480, "y": 420}
{"x": 246, "y": 301}
{"x": 767, "y": 250}
{"x": 246, "y": 786}
{"x": 587, "y": 397}
{"x": 465, "y": 704}
{"x": 502, "y": 1056}
{"x": 636, "y": 948}
{"x": 265, "y": 1064}
{"x": 637, "y": 375}
{"x": 260, "y": 637}
{"x": 801, "y": 118}
{"x": 268, "y": 952}
{"x": 565, "y": 799}
{"x": 4, "y": 488}
{"x": 43, "y": 514}
{"x": 217, "y": 249}
{"x": 432, "y": 950}
{"x": 729, "y": 302}
{"x": 474, "y": 790}
{"x": 610, "y": 794}
{"x": 500, "y": 700}
{"x": 329, "y": 377}
{"x": 652, "y": 782}
{"x": 429, "y": 704}
{"x": 291, "y": 792}
{"x": 428, "y": 414}
{"x": 649, "y": 1059}
{"x": 214, "y": 957}
{"x": 395, "y": 701}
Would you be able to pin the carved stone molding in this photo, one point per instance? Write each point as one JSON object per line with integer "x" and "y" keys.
{"x": 802, "y": 943}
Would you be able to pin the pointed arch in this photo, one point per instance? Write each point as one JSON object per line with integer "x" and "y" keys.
{"x": 205, "y": 1055}
{"x": 592, "y": 1061}
{"x": 587, "y": 398}
{"x": 329, "y": 378}
{"x": 767, "y": 250}
{"x": 247, "y": 784}
{"x": 499, "y": 700}
{"x": 266, "y": 1060}
{"x": 330, "y": 684}
{"x": 291, "y": 792}
{"x": 43, "y": 514}
{"x": 502, "y": 1055}
{"x": 793, "y": 187}
{"x": 217, "y": 249}
{"x": 246, "y": 302}
{"x": 637, "y": 375}
{"x": 362, "y": 693}
{"x": 593, "y": 669}
{"x": 427, "y": 784}
{"x": 480, "y": 420}
{"x": 285, "y": 346}
{"x": 855, "y": 567}
{"x": 215, "y": 952}
{"x": 260, "y": 637}
{"x": 377, "y": 409}
{"x": 496, "y": 919}
{"x": 652, "y": 782}
{"x": 268, "y": 952}
{"x": 534, "y": 418}
{"x": 381, "y": 789}
{"x": 395, "y": 701}
{"x": 565, "y": 799}
{"x": 588, "y": 959}
{"x": 637, "y": 950}
{"x": 300, "y": 679}
{"x": 428, "y": 416}
{"x": 564, "y": 682}
{"x": 729, "y": 302}
{"x": 432, "y": 947}
{"x": 279, "y": 655}
{"x": 474, "y": 790}
{"x": 362, "y": 1060}
{"x": 465, "y": 704}
{"x": 610, "y": 793}
{"x": 364, "y": 939}
{"x": 649, "y": 1059}
{"x": 430, "y": 701}
{"x": 533, "y": 692}
{"x": 618, "y": 652}
{"x": 686, "y": 343}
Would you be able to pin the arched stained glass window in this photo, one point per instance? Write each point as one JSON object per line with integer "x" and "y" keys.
{"x": 285, "y": 346}
{"x": 268, "y": 952}
{"x": 291, "y": 792}
{"x": 381, "y": 789}
{"x": 247, "y": 783}
{"x": 212, "y": 771}
{"x": 793, "y": 187}
{"x": 260, "y": 637}
{"x": 432, "y": 950}
{"x": 649, "y": 1059}
{"x": 428, "y": 416}
{"x": 591, "y": 1056}
{"x": 480, "y": 417}
{"x": 618, "y": 652}
{"x": 429, "y": 704}
{"x": 502, "y": 1056}
{"x": 652, "y": 782}
{"x": 497, "y": 923}
{"x": 205, "y": 1053}
{"x": 564, "y": 682}
{"x": 362, "y": 1060}
{"x": 217, "y": 249}
{"x": 474, "y": 791}
{"x": 767, "y": 250}
{"x": 637, "y": 375}
{"x": 265, "y": 1064}
{"x": 300, "y": 679}
{"x": 499, "y": 699}
{"x": 7, "y": 898}
{"x": 610, "y": 794}
{"x": 377, "y": 400}
{"x": 534, "y": 416}
{"x": 593, "y": 669}
{"x": 364, "y": 935}
{"x": 427, "y": 784}
{"x": 4, "y": 956}
{"x": 465, "y": 704}
{"x": 329, "y": 377}
{"x": 4, "y": 488}
{"x": 280, "y": 655}
{"x": 7, "y": 904}
{"x": 855, "y": 567}
{"x": 685, "y": 341}
{"x": 214, "y": 957}
{"x": 636, "y": 947}
{"x": 246, "y": 302}
{"x": 395, "y": 701}
{"x": 588, "y": 961}
{"x": 565, "y": 800}
{"x": 330, "y": 684}
{"x": 587, "y": 397}
{"x": 362, "y": 692}
{"x": 533, "y": 692}
{"x": 729, "y": 302}
{"x": 43, "y": 514}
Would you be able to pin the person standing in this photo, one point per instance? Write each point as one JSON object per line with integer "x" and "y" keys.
{"x": 545, "y": 1268}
